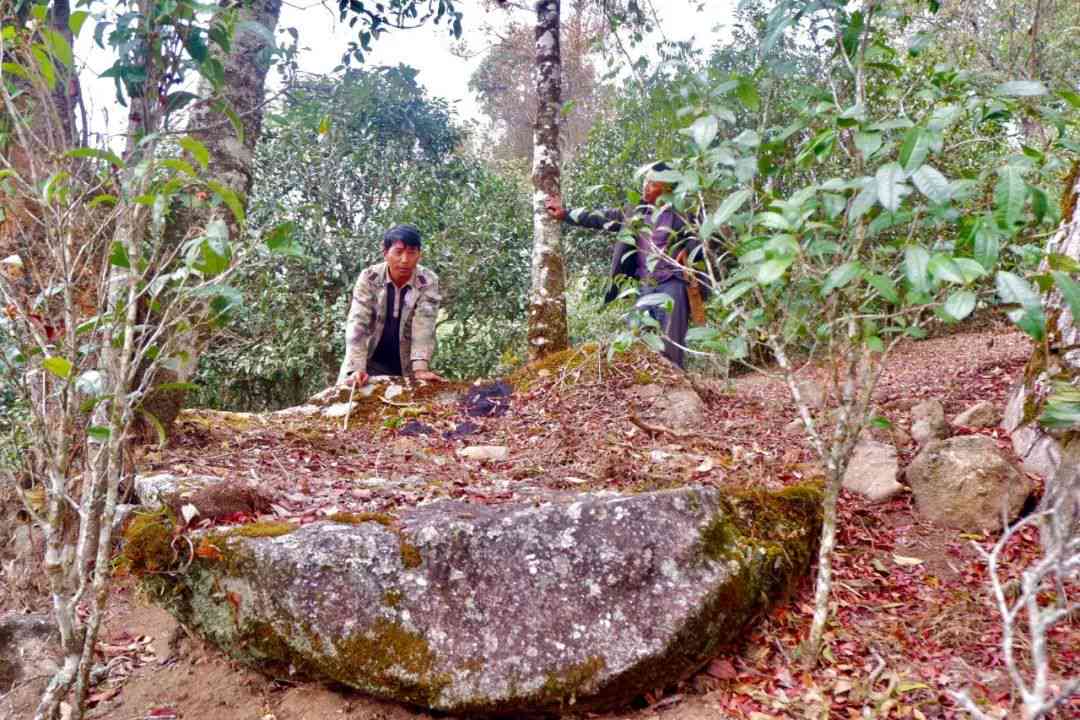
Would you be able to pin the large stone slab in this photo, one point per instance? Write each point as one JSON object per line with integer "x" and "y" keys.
{"x": 584, "y": 600}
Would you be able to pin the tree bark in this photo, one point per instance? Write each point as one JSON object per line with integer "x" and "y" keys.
{"x": 1058, "y": 359}
{"x": 232, "y": 156}
{"x": 547, "y": 302}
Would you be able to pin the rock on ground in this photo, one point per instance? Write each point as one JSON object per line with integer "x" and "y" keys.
{"x": 964, "y": 482}
{"x": 928, "y": 422}
{"x": 980, "y": 415}
{"x": 678, "y": 408}
{"x": 582, "y": 601}
{"x": 872, "y": 471}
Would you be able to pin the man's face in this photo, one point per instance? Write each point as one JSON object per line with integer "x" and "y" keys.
{"x": 653, "y": 190}
{"x": 401, "y": 260}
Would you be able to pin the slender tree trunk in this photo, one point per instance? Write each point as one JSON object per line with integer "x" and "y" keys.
{"x": 232, "y": 157}
{"x": 547, "y": 302}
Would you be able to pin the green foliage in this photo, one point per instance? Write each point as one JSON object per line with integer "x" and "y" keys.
{"x": 340, "y": 162}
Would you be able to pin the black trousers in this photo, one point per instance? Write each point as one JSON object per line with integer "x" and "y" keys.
{"x": 673, "y": 325}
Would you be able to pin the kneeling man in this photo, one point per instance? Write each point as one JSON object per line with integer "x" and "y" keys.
{"x": 391, "y": 324}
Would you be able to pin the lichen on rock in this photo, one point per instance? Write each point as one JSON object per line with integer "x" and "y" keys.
{"x": 579, "y": 601}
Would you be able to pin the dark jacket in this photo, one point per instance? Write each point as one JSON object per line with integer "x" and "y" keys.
{"x": 656, "y": 231}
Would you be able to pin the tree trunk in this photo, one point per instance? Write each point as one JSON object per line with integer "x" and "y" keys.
{"x": 547, "y": 301}
{"x": 1039, "y": 450}
{"x": 231, "y": 165}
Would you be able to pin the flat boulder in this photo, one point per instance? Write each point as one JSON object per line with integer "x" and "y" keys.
{"x": 965, "y": 482}
{"x": 576, "y": 601}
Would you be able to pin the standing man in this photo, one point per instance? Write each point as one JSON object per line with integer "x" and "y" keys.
{"x": 656, "y": 254}
{"x": 391, "y": 325}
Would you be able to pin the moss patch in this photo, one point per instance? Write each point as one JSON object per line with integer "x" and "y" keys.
{"x": 563, "y": 687}
{"x": 148, "y": 542}
{"x": 392, "y": 658}
{"x": 350, "y": 518}
{"x": 261, "y": 530}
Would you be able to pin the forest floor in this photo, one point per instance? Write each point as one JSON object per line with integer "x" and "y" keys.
{"x": 912, "y": 617}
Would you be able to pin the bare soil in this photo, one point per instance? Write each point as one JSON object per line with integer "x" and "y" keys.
{"x": 912, "y": 619}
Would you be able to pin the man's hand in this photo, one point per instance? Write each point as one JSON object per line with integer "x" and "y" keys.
{"x": 357, "y": 379}
{"x": 554, "y": 207}
{"x": 428, "y": 376}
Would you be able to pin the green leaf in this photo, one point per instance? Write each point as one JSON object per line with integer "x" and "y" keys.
{"x": 197, "y": 150}
{"x": 1070, "y": 97}
{"x": 1021, "y": 88}
{"x": 98, "y": 433}
{"x": 914, "y": 149}
{"x": 45, "y": 66}
{"x": 704, "y": 131}
{"x": 874, "y": 343}
{"x": 841, "y": 276}
{"x": 773, "y": 221}
{"x": 731, "y": 203}
{"x": 862, "y": 203}
{"x": 868, "y": 143}
{"x": 916, "y": 264}
{"x": 213, "y": 71}
{"x": 96, "y": 154}
{"x": 972, "y": 270}
{"x": 1029, "y": 317}
{"x": 932, "y": 184}
{"x": 960, "y": 304}
{"x": 890, "y": 186}
{"x": 230, "y": 198}
{"x": 885, "y": 287}
{"x": 58, "y": 366}
{"x": 324, "y": 125}
{"x": 1009, "y": 195}
{"x": 119, "y": 255}
{"x": 747, "y": 138}
{"x": 1070, "y": 291}
{"x": 1063, "y": 263}
{"x": 942, "y": 267}
{"x": 987, "y": 247}
{"x": 155, "y": 423}
{"x": 702, "y": 334}
{"x": 735, "y": 292}
{"x": 1040, "y": 205}
{"x": 196, "y": 45}
{"x": 747, "y": 93}
{"x": 772, "y": 270}
{"x": 179, "y": 165}
{"x": 76, "y": 20}
{"x": 281, "y": 239}
{"x": 58, "y": 46}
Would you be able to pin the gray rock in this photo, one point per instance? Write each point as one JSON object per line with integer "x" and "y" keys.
{"x": 582, "y": 600}
{"x": 496, "y": 453}
{"x": 980, "y": 415}
{"x": 872, "y": 471}
{"x": 965, "y": 482}
{"x": 27, "y": 649}
{"x": 677, "y": 408}
{"x": 928, "y": 422}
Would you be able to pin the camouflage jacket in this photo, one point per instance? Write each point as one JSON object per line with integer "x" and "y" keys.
{"x": 367, "y": 316}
